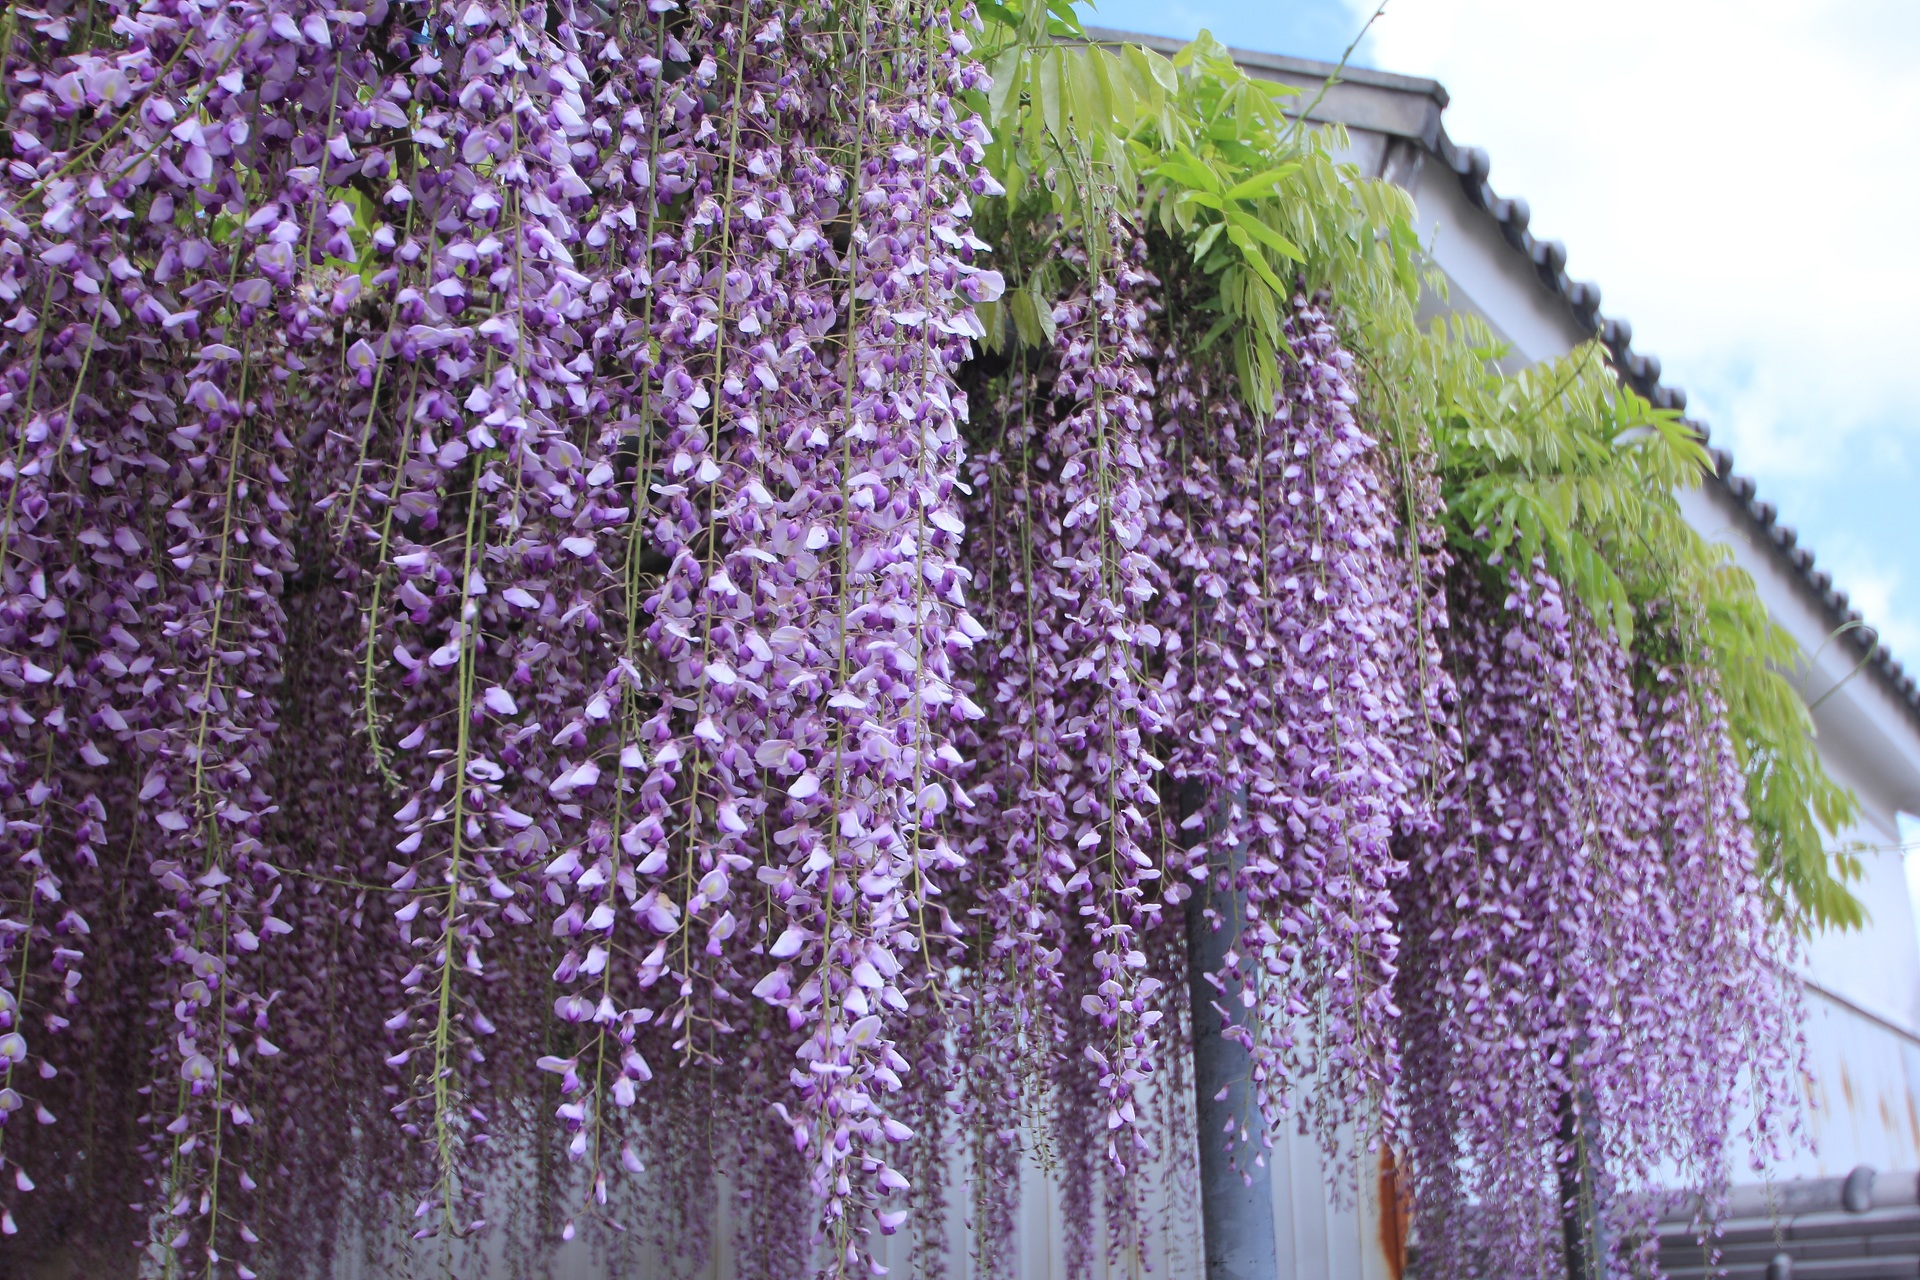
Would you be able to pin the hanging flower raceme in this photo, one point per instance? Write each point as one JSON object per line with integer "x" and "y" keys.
{"x": 137, "y": 377}
{"x": 1310, "y": 699}
{"x": 1590, "y": 873}
{"x": 1065, "y": 865}
{"x": 874, "y": 759}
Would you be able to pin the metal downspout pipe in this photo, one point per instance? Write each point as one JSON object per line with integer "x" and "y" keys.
{"x": 1236, "y": 1203}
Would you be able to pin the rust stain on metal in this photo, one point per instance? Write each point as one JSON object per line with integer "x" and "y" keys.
{"x": 1810, "y": 1089}
{"x": 1396, "y": 1212}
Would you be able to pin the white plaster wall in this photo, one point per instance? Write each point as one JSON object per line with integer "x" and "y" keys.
{"x": 1487, "y": 276}
{"x": 1862, "y": 1096}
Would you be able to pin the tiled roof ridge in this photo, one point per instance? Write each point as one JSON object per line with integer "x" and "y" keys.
{"x": 1641, "y": 371}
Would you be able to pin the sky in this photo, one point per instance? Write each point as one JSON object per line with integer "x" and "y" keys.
{"x": 1739, "y": 178}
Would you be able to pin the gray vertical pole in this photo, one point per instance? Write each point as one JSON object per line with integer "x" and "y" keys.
{"x": 1237, "y": 1216}
{"x": 1583, "y": 1226}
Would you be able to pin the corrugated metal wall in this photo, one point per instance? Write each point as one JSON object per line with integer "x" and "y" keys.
{"x": 1320, "y": 1233}
{"x": 1862, "y": 1093}
{"x": 1863, "y": 1107}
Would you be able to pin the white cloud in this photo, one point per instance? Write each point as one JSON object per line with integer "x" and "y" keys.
{"x": 1738, "y": 177}
{"x": 1734, "y": 172}
{"x": 1880, "y": 591}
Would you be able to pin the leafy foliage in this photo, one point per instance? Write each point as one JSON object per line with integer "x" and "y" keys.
{"x": 1560, "y": 461}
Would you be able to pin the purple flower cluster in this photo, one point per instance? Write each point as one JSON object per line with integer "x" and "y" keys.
{"x": 514, "y": 648}
{"x": 1065, "y": 861}
{"x": 1311, "y": 702}
{"x": 1586, "y": 943}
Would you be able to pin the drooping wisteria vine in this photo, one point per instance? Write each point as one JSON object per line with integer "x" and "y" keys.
{"x": 1313, "y": 720}
{"x": 566, "y": 676}
{"x": 1584, "y": 937}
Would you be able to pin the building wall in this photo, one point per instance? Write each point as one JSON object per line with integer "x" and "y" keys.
{"x": 1862, "y": 1096}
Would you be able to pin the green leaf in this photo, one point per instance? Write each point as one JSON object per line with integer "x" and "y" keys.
{"x": 1122, "y": 104}
{"x": 992, "y": 316}
{"x": 998, "y": 13}
{"x": 1087, "y": 99}
{"x": 1050, "y": 101}
{"x": 1155, "y": 67}
{"x": 1026, "y": 323}
{"x": 1266, "y": 235}
{"x": 1261, "y": 184}
{"x": 1042, "y": 308}
{"x": 1254, "y": 258}
{"x": 1223, "y": 131}
{"x": 1008, "y": 71}
{"x": 1187, "y": 169}
{"x": 1206, "y": 238}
